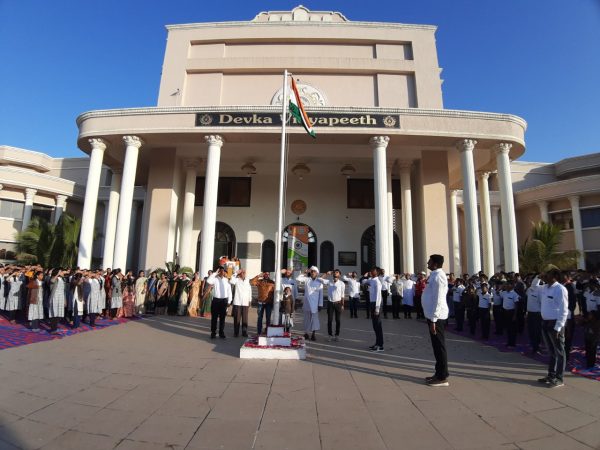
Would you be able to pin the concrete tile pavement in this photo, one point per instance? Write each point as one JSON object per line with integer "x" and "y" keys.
{"x": 162, "y": 383}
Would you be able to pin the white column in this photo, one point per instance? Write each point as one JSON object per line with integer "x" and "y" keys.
{"x": 507, "y": 204}
{"x": 61, "y": 204}
{"x": 132, "y": 149}
{"x": 544, "y": 216}
{"x": 465, "y": 148}
{"x": 187, "y": 226}
{"x": 390, "y": 210}
{"x": 88, "y": 217}
{"x": 379, "y": 145}
{"x": 408, "y": 264}
{"x": 575, "y": 212}
{"x": 29, "y": 194}
{"x": 456, "y": 267}
{"x": 496, "y": 240}
{"x": 111, "y": 219}
{"x": 486, "y": 224}
{"x": 209, "y": 213}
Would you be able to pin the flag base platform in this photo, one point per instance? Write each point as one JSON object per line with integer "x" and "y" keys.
{"x": 275, "y": 345}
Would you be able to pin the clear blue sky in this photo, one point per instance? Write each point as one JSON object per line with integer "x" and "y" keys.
{"x": 539, "y": 59}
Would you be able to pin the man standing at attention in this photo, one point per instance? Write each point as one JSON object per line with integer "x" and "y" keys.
{"x": 266, "y": 291}
{"x": 374, "y": 284}
{"x": 335, "y": 306}
{"x": 435, "y": 310}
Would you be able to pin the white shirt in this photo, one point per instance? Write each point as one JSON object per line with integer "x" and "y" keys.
{"x": 398, "y": 286}
{"x": 353, "y": 287}
{"x": 534, "y": 302}
{"x": 374, "y": 291}
{"x": 243, "y": 291}
{"x": 221, "y": 287}
{"x": 386, "y": 281}
{"x": 497, "y": 297}
{"x": 484, "y": 300}
{"x": 434, "y": 296}
{"x": 313, "y": 293}
{"x": 335, "y": 290}
{"x": 555, "y": 304}
{"x": 408, "y": 292}
{"x": 509, "y": 299}
{"x": 457, "y": 292}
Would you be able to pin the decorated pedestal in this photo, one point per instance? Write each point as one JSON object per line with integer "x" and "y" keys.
{"x": 276, "y": 344}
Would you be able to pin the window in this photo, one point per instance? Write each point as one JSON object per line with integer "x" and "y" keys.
{"x": 592, "y": 261}
{"x": 564, "y": 220}
{"x": 590, "y": 217}
{"x": 11, "y": 209}
{"x": 267, "y": 257}
{"x": 327, "y": 256}
{"x": 361, "y": 193}
{"x": 233, "y": 191}
{"x": 43, "y": 212}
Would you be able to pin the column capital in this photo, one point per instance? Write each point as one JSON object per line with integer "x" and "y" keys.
{"x": 29, "y": 193}
{"x": 574, "y": 201}
{"x": 133, "y": 141}
{"x": 191, "y": 164}
{"x": 483, "y": 175}
{"x": 466, "y": 145}
{"x": 454, "y": 193}
{"x": 97, "y": 143}
{"x": 543, "y": 203}
{"x": 214, "y": 139}
{"x": 502, "y": 148}
{"x": 116, "y": 170}
{"x": 379, "y": 141}
{"x": 404, "y": 165}
{"x": 61, "y": 199}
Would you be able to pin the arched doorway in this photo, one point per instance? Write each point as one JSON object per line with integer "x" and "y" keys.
{"x": 311, "y": 257}
{"x": 267, "y": 256}
{"x": 368, "y": 255}
{"x": 327, "y": 256}
{"x": 224, "y": 244}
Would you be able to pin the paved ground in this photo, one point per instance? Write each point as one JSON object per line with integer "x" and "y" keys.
{"x": 161, "y": 383}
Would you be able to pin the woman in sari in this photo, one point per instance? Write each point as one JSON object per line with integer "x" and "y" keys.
{"x": 128, "y": 286}
{"x": 151, "y": 293}
{"x": 162, "y": 294}
{"x": 194, "y": 296}
{"x": 184, "y": 286}
{"x": 140, "y": 293}
{"x": 207, "y": 296}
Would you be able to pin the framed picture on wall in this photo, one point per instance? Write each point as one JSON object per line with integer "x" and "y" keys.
{"x": 346, "y": 258}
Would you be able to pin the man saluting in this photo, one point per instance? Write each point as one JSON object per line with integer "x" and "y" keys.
{"x": 435, "y": 309}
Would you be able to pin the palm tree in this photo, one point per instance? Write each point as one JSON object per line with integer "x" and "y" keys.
{"x": 541, "y": 252}
{"x": 66, "y": 242}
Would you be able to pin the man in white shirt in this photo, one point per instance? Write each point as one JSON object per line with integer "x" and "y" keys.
{"x": 510, "y": 299}
{"x": 335, "y": 305}
{"x": 353, "y": 293}
{"x": 555, "y": 309}
{"x": 534, "y": 315}
{"x": 435, "y": 310}
{"x": 374, "y": 284}
{"x": 397, "y": 289}
{"x": 313, "y": 302}
{"x": 221, "y": 298}
{"x": 408, "y": 295}
{"x": 386, "y": 282}
{"x": 241, "y": 302}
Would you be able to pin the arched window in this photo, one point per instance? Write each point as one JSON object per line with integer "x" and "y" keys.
{"x": 224, "y": 243}
{"x": 312, "y": 246}
{"x": 267, "y": 256}
{"x": 327, "y": 258}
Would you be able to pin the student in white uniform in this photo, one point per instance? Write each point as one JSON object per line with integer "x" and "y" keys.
{"x": 313, "y": 302}
{"x": 485, "y": 302}
{"x": 13, "y": 296}
{"x": 353, "y": 293}
{"x": 509, "y": 304}
{"x": 408, "y": 295}
{"x": 386, "y": 282}
{"x": 397, "y": 289}
{"x": 373, "y": 282}
{"x": 335, "y": 294}
{"x": 591, "y": 329}
{"x": 241, "y": 302}
{"x": 534, "y": 315}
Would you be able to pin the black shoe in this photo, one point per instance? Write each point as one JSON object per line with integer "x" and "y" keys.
{"x": 222, "y": 336}
{"x": 545, "y": 380}
{"x": 306, "y": 336}
{"x": 313, "y": 338}
{"x": 373, "y": 348}
{"x": 236, "y": 334}
{"x": 554, "y": 383}
{"x": 438, "y": 383}
{"x": 244, "y": 334}
{"x": 213, "y": 335}
{"x": 429, "y": 379}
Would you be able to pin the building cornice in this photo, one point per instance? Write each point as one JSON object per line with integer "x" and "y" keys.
{"x": 558, "y": 190}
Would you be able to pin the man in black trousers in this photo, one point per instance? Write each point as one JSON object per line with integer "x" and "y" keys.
{"x": 435, "y": 309}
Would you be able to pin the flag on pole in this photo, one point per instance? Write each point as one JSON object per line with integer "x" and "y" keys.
{"x": 297, "y": 110}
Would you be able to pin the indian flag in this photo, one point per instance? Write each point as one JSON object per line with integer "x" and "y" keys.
{"x": 298, "y": 112}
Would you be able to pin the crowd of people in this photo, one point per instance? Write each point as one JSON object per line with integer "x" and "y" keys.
{"x": 513, "y": 303}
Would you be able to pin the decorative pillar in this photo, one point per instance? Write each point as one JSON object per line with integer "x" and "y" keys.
{"x": 185, "y": 243}
{"x": 456, "y": 267}
{"x": 132, "y": 149}
{"x": 465, "y": 148}
{"x": 486, "y": 224}
{"x": 390, "y": 210}
{"x": 408, "y": 264}
{"x": 61, "y": 204}
{"x": 379, "y": 145}
{"x": 496, "y": 238}
{"x": 544, "y": 216}
{"x": 507, "y": 204}
{"x": 90, "y": 204}
{"x": 209, "y": 213}
{"x": 576, "y": 214}
{"x": 29, "y": 194}
{"x": 111, "y": 219}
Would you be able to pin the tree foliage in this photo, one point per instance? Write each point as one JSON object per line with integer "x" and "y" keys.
{"x": 540, "y": 253}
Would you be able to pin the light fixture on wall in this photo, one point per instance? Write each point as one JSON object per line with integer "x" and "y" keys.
{"x": 249, "y": 168}
{"x": 348, "y": 170}
{"x": 300, "y": 170}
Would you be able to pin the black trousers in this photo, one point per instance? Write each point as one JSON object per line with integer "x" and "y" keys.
{"x": 591, "y": 339}
{"x": 396, "y": 303}
{"x": 484, "y": 318}
{"x": 354, "y": 306}
{"x": 54, "y": 323}
{"x": 459, "y": 315}
{"x": 240, "y": 313}
{"x": 520, "y": 309}
{"x": 368, "y": 302}
{"x": 92, "y": 317}
{"x": 472, "y": 318}
{"x": 407, "y": 311}
{"x": 334, "y": 309}
{"x": 510, "y": 321}
{"x": 384, "y": 297}
{"x": 377, "y": 328}
{"x": 534, "y": 328}
{"x": 569, "y": 331}
{"x": 419, "y": 307}
{"x": 498, "y": 312}
{"x": 218, "y": 310}
{"x": 438, "y": 342}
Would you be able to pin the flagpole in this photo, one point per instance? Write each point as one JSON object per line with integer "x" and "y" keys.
{"x": 281, "y": 206}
